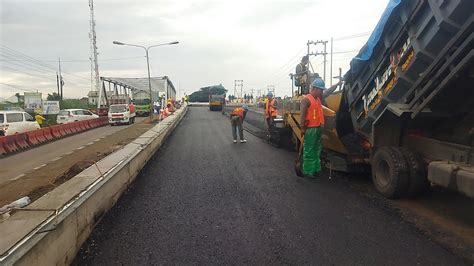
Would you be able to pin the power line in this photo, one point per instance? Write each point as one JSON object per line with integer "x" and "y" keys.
{"x": 14, "y": 70}
{"x": 79, "y": 60}
{"x": 285, "y": 66}
{"x": 28, "y": 66}
{"x": 353, "y": 36}
{"x": 16, "y": 87}
{"x": 33, "y": 60}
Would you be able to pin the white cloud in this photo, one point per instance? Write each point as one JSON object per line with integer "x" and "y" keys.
{"x": 220, "y": 41}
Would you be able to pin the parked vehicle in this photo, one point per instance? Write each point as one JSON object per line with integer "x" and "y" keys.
{"x": 13, "y": 122}
{"x": 121, "y": 114}
{"x": 73, "y": 115}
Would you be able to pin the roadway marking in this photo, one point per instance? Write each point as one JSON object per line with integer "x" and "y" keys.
{"x": 90, "y": 143}
{"x": 55, "y": 159}
{"x": 17, "y": 177}
{"x": 38, "y": 167}
{"x": 68, "y": 153}
{"x": 97, "y": 140}
{"x": 80, "y": 148}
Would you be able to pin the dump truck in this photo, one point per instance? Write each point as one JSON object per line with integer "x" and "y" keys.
{"x": 141, "y": 99}
{"x": 216, "y": 102}
{"x": 406, "y": 110}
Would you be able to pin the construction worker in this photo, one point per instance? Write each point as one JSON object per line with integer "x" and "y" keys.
{"x": 166, "y": 111}
{"x": 39, "y": 119}
{"x": 270, "y": 111}
{"x": 223, "y": 105}
{"x": 301, "y": 72}
{"x": 312, "y": 120}
{"x": 237, "y": 118}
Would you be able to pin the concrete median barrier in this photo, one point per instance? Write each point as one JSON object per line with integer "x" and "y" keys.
{"x": 3, "y": 150}
{"x": 52, "y": 229}
{"x": 18, "y": 142}
{"x": 21, "y": 141}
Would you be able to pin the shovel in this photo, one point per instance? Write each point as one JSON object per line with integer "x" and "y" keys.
{"x": 299, "y": 161}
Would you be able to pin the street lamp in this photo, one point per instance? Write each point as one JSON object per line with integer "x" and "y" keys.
{"x": 148, "y": 65}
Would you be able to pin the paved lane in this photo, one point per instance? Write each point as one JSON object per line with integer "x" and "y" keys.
{"x": 204, "y": 200}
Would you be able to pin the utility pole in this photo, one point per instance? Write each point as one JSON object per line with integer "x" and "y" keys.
{"x": 238, "y": 84}
{"x": 323, "y": 53}
{"x": 57, "y": 82}
{"x": 271, "y": 88}
{"x": 94, "y": 53}
{"x": 61, "y": 81}
{"x": 330, "y": 75}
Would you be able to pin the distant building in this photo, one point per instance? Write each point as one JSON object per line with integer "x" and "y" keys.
{"x": 93, "y": 97}
{"x": 84, "y": 100}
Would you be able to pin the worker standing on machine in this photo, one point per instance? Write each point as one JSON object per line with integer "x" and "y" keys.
{"x": 301, "y": 72}
{"x": 271, "y": 111}
{"x": 312, "y": 120}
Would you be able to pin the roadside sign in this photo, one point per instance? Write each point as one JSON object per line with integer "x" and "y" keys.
{"x": 51, "y": 107}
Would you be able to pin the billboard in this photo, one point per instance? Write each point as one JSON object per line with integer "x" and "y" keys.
{"x": 33, "y": 101}
{"x": 51, "y": 107}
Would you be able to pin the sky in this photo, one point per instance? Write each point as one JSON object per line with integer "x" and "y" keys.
{"x": 257, "y": 41}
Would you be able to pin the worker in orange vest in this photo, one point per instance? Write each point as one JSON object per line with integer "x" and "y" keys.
{"x": 237, "y": 117}
{"x": 271, "y": 111}
{"x": 312, "y": 120}
{"x": 166, "y": 111}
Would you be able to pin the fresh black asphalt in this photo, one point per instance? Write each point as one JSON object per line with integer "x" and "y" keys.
{"x": 205, "y": 200}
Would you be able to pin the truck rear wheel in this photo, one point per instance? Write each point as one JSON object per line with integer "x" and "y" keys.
{"x": 417, "y": 177}
{"x": 390, "y": 172}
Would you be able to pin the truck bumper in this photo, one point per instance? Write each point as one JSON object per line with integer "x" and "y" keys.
{"x": 117, "y": 121}
{"x": 453, "y": 176}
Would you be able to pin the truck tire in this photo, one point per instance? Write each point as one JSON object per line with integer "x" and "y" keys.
{"x": 417, "y": 177}
{"x": 390, "y": 172}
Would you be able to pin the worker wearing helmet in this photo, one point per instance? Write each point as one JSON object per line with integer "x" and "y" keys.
{"x": 271, "y": 111}
{"x": 237, "y": 118}
{"x": 312, "y": 120}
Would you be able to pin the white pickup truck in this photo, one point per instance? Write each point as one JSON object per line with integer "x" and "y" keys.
{"x": 121, "y": 114}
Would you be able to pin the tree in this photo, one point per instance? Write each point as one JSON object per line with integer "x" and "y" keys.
{"x": 202, "y": 95}
{"x": 53, "y": 97}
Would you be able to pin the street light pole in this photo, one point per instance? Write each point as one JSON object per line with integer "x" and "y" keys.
{"x": 149, "y": 84}
{"x": 148, "y": 65}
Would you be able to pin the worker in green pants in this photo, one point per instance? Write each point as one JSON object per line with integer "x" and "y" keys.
{"x": 312, "y": 120}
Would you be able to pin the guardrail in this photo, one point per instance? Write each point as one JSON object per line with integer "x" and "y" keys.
{"x": 22, "y": 141}
{"x": 51, "y": 230}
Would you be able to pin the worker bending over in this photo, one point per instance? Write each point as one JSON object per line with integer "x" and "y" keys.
{"x": 237, "y": 118}
{"x": 312, "y": 120}
{"x": 271, "y": 111}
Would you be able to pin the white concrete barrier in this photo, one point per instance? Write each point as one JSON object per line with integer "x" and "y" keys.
{"x": 51, "y": 230}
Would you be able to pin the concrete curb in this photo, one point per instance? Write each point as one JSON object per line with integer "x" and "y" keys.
{"x": 52, "y": 229}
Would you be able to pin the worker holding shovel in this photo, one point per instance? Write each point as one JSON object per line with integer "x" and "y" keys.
{"x": 312, "y": 120}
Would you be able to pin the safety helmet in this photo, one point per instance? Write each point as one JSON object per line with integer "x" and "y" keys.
{"x": 318, "y": 83}
{"x": 270, "y": 94}
{"x": 245, "y": 107}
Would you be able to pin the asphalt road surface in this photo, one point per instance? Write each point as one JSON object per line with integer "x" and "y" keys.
{"x": 18, "y": 164}
{"x": 205, "y": 200}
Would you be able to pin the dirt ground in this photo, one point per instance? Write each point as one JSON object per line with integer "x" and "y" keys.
{"x": 43, "y": 180}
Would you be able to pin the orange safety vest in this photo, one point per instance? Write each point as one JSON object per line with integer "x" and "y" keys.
{"x": 238, "y": 112}
{"x": 314, "y": 114}
{"x": 270, "y": 109}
